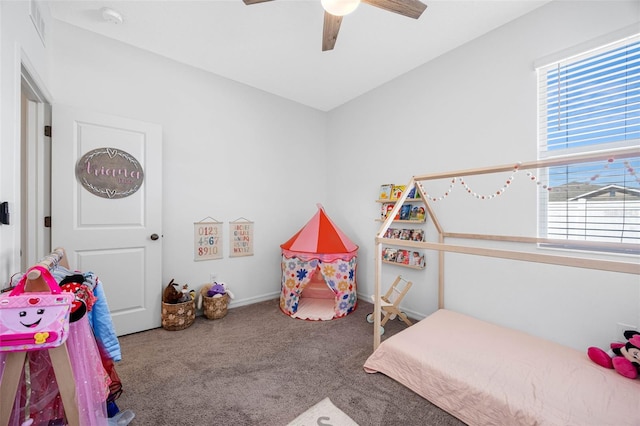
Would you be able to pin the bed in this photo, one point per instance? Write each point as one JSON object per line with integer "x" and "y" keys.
{"x": 485, "y": 374}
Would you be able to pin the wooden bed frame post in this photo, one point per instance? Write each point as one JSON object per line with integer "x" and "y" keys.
{"x": 441, "y": 275}
{"x": 436, "y": 223}
{"x": 376, "y": 298}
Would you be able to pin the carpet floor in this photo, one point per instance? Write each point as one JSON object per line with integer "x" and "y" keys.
{"x": 257, "y": 366}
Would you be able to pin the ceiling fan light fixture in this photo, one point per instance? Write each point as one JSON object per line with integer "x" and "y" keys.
{"x": 339, "y": 7}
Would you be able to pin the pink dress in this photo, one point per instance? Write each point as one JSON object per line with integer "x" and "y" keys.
{"x": 39, "y": 394}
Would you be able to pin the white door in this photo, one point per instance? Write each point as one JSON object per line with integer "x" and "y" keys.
{"x": 106, "y": 215}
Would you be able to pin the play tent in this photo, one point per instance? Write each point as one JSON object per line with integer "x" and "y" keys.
{"x": 318, "y": 271}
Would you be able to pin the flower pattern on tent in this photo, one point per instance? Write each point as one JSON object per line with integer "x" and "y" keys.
{"x": 338, "y": 274}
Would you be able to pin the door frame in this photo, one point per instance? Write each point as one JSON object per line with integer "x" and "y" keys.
{"x": 35, "y": 168}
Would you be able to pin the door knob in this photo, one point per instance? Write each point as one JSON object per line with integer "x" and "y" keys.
{"x": 154, "y": 237}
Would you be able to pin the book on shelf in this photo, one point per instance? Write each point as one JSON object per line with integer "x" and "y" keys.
{"x": 405, "y": 212}
{"x": 417, "y": 213}
{"x": 412, "y": 193}
{"x": 389, "y": 254}
{"x": 386, "y": 210}
{"x": 417, "y": 235}
{"x": 397, "y": 191}
{"x": 416, "y": 259}
{"x": 385, "y": 191}
{"x": 402, "y": 256}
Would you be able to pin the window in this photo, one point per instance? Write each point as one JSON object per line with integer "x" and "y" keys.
{"x": 591, "y": 103}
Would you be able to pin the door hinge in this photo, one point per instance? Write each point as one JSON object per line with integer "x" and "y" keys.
{"x": 47, "y": 221}
{"x": 47, "y": 131}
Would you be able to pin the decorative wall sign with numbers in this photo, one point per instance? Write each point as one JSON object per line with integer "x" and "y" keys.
{"x": 207, "y": 240}
{"x": 240, "y": 238}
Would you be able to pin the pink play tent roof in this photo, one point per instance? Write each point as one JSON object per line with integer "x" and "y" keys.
{"x": 320, "y": 238}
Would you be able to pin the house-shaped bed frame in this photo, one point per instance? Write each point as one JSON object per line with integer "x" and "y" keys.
{"x": 506, "y": 376}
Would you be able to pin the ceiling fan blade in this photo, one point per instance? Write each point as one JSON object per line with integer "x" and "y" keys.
{"x": 248, "y": 2}
{"x": 330, "y": 31}
{"x": 411, "y": 8}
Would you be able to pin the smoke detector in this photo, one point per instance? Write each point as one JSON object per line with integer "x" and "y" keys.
{"x": 111, "y": 15}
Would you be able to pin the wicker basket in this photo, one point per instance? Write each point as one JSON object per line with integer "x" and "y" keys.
{"x": 178, "y": 316}
{"x": 215, "y": 307}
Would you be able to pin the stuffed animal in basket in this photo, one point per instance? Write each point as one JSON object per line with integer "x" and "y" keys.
{"x": 214, "y": 290}
{"x": 187, "y": 294}
{"x": 171, "y": 294}
{"x": 219, "y": 290}
{"x": 622, "y": 357}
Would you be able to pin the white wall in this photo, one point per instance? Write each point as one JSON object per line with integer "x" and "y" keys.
{"x": 230, "y": 151}
{"x": 19, "y": 44}
{"x": 475, "y": 107}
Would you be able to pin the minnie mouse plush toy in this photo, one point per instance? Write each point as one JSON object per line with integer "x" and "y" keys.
{"x": 623, "y": 357}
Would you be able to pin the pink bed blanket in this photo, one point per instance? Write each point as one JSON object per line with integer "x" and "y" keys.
{"x": 485, "y": 374}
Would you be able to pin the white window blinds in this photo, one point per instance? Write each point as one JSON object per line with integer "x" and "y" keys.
{"x": 591, "y": 99}
{"x": 590, "y": 103}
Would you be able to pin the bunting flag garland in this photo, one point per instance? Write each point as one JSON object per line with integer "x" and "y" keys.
{"x": 530, "y": 175}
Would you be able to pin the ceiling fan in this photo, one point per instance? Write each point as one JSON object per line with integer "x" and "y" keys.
{"x": 334, "y": 10}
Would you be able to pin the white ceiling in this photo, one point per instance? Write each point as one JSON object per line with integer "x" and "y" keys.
{"x": 276, "y": 46}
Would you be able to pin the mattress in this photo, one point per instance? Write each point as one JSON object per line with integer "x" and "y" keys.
{"x": 486, "y": 374}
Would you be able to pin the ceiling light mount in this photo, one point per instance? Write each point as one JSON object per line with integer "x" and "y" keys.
{"x": 111, "y": 15}
{"x": 339, "y": 7}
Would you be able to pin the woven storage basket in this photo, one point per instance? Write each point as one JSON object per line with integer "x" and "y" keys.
{"x": 215, "y": 307}
{"x": 178, "y": 316}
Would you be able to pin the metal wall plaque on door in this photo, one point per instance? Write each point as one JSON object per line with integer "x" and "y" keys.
{"x": 109, "y": 173}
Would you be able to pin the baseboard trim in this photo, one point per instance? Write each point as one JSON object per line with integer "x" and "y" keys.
{"x": 236, "y": 303}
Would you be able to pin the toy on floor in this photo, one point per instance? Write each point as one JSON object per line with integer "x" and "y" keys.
{"x": 622, "y": 357}
{"x": 390, "y": 303}
{"x": 319, "y": 244}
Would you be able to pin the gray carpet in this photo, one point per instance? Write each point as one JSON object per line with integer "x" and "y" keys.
{"x": 257, "y": 366}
